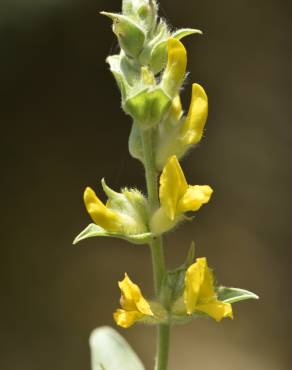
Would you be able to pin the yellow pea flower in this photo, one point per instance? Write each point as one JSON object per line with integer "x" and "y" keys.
{"x": 124, "y": 214}
{"x": 199, "y": 293}
{"x": 176, "y": 196}
{"x": 99, "y": 212}
{"x": 192, "y": 129}
{"x": 175, "y": 70}
{"x": 134, "y": 305}
{"x": 177, "y": 134}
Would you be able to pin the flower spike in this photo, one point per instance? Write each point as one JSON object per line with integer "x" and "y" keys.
{"x": 150, "y": 69}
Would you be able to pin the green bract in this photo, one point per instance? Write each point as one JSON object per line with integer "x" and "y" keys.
{"x": 232, "y": 295}
{"x": 148, "y": 107}
{"x": 93, "y": 230}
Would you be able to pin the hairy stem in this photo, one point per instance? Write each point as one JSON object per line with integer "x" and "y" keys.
{"x": 156, "y": 246}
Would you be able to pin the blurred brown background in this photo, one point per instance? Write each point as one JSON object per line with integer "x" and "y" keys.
{"x": 63, "y": 129}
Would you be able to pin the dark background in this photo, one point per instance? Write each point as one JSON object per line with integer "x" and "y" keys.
{"x": 62, "y": 129}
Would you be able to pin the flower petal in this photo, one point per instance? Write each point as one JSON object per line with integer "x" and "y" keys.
{"x": 99, "y": 213}
{"x": 174, "y": 73}
{"x": 200, "y": 295}
{"x": 194, "y": 197}
{"x": 176, "y": 108}
{"x": 207, "y": 291}
{"x": 173, "y": 185}
{"x": 194, "y": 279}
{"x": 132, "y": 298}
{"x": 125, "y": 319}
{"x": 216, "y": 309}
{"x": 193, "y": 127}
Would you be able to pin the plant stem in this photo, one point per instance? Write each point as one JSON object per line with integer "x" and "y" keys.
{"x": 150, "y": 169}
{"x": 152, "y": 190}
{"x": 156, "y": 246}
{"x": 162, "y": 347}
{"x": 158, "y": 263}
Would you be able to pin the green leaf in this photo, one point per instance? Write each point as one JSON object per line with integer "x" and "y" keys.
{"x": 179, "y": 34}
{"x": 93, "y": 230}
{"x": 232, "y": 295}
{"x": 110, "y": 351}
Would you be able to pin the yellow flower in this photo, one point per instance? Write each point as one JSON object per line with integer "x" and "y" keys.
{"x": 176, "y": 111}
{"x": 134, "y": 305}
{"x": 99, "y": 212}
{"x": 199, "y": 293}
{"x": 175, "y": 70}
{"x": 176, "y": 196}
{"x": 192, "y": 129}
{"x": 177, "y": 133}
{"x": 124, "y": 213}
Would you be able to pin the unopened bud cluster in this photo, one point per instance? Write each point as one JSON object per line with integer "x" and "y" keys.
{"x": 150, "y": 70}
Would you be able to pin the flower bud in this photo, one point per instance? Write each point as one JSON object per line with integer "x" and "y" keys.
{"x": 161, "y": 34}
{"x": 130, "y": 35}
{"x": 144, "y": 11}
{"x": 158, "y": 57}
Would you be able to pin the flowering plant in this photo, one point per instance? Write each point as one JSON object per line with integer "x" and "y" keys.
{"x": 150, "y": 70}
